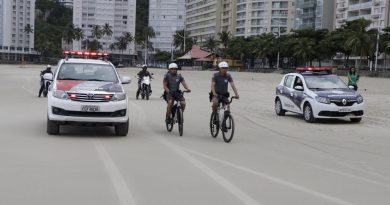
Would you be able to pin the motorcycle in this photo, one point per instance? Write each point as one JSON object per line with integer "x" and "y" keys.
{"x": 47, "y": 80}
{"x": 145, "y": 90}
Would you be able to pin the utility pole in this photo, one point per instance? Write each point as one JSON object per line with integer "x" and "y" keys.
{"x": 379, "y": 2}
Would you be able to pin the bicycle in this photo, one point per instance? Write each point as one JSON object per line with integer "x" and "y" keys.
{"x": 223, "y": 120}
{"x": 177, "y": 114}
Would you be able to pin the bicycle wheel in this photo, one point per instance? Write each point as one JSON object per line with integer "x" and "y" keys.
{"x": 228, "y": 128}
{"x": 169, "y": 125}
{"x": 214, "y": 125}
{"x": 179, "y": 116}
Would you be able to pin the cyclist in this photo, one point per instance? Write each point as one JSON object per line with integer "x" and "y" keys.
{"x": 219, "y": 85}
{"x": 172, "y": 81}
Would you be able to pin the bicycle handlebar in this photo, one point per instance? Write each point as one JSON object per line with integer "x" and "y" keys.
{"x": 231, "y": 99}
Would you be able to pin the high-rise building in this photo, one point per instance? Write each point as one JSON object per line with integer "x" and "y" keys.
{"x": 119, "y": 14}
{"x": 206, "y": 18}
{"x": 317, "y": 14}
{"x": 377, "y": 11}
{"x": 67, "y": 3}
{"x": 15, "y": 39}
{"x": 166, "y": 17}
{"x": 255, "y": 17}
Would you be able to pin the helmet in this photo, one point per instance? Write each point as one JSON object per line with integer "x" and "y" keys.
{"x": 48, "y": 66}
{"x": 223, "y": 65}
{"x": 144, "y": 66}
{"x": 172, "y": 65}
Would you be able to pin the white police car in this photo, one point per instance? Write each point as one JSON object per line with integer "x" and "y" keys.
{"x": 87, "y": 92}
{"x": 316, "y": 93}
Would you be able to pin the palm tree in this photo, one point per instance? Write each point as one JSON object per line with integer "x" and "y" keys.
{"x": 27, "y": 30}
{"x": 305, "y": 49}
{"x": 225, "y": 37}
{"x": 265, "y": 47}
{"x": 123, "y": 42}
{"x": 182, "y": 40}
{"x": 107, "y": 31}
{"x": 211, "y": 44}
{"x": 78, "y": 33}
{"x": 360, "y": 41}
{"x": 148, "y": 33}
{"x": 96, "y": 34}
{"x": 69, "y": 34}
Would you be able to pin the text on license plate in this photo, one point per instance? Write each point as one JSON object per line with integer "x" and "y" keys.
{"x": 90, "y": 108}
{"x": 345, "y": 110}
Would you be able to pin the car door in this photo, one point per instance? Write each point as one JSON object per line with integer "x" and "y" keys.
{"x": 298, "y": 93}
{"x": 286, "y": 93}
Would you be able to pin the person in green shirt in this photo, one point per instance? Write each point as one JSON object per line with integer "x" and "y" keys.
{"x": 353, "y": 78}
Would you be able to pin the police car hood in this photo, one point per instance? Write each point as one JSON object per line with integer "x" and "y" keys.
{"x": 337, "y": 94}
{"x": 79, "y": 86}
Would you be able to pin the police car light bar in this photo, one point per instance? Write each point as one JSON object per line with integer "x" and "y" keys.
{"x": 79, "y": 53}
{"x": 313, "y": 69}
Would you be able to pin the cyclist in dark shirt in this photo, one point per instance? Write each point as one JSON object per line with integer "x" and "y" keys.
{"x": 219, "y": 85}
{"x": 172, "y": 81}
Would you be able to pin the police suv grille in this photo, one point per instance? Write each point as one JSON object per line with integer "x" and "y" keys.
{"x": 340, "y": 102}
{"x": 90, "y": 97}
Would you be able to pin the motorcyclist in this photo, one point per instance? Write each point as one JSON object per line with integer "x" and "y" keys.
{"x": 43, "y": 72}
{"x": 172, "y": 81}
{"x": 143, "y": 73}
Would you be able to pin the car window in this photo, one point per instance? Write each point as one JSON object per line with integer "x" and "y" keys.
{"x": 87, "y": 72}
{"x": 298, "y": 82}
{"x": 288, "y": 80}
{"x": 324, "y": 82}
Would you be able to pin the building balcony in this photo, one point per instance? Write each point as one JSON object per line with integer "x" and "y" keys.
{"x": 352, "y": 18}
{"x": 366, "y": 5}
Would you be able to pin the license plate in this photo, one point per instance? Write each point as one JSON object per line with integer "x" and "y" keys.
{"x": 345, "y": 110}
{"x": 90, "y": 108}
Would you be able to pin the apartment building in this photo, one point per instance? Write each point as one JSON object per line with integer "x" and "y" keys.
{"x": 255, "y": 17}
{"x": 206, "y": 18}
{"x": 166, "y": 17}
{"x": 15, "y": 40}
{"x": 376, "y": 11}
{"x": 317, "y": 14}
{"x": 119, "y": 14}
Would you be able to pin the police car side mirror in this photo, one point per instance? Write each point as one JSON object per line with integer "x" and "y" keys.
{"x": 299, "y": 88}
{"x": 126, "y": 80}
{"x": 351, "y": 87}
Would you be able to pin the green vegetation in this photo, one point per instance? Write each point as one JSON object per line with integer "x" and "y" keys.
{"x": 51, "y": 20}
{"x": 299, "y": 47}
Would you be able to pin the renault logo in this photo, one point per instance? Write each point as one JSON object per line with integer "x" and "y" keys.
{"x": 344, "y": 101}
{"x": 90, "y": 96}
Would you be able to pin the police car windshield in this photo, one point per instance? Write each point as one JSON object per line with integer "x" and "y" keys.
{"x": 87, "y": 72}
{"x": 324, "y": 82}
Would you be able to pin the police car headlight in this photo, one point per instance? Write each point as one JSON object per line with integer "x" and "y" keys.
{"x": 118, "y": 97}
{"x": 60, "y": 94}
{"x": 323, "y": 100}
{"x": 360, "y": 99}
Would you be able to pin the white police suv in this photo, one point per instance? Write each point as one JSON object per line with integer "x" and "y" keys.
{"x": 316, "y": 93}
{"x": 87, "y": 92}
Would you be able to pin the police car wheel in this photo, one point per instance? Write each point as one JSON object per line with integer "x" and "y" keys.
{"x": 278, "y": 108}
{"x": 356, "y": 120}
{"x": 308, "y": 113}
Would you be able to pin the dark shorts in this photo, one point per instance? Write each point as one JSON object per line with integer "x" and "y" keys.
{"x": 222, "y": 98}
{"x": 177, "y": 96}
